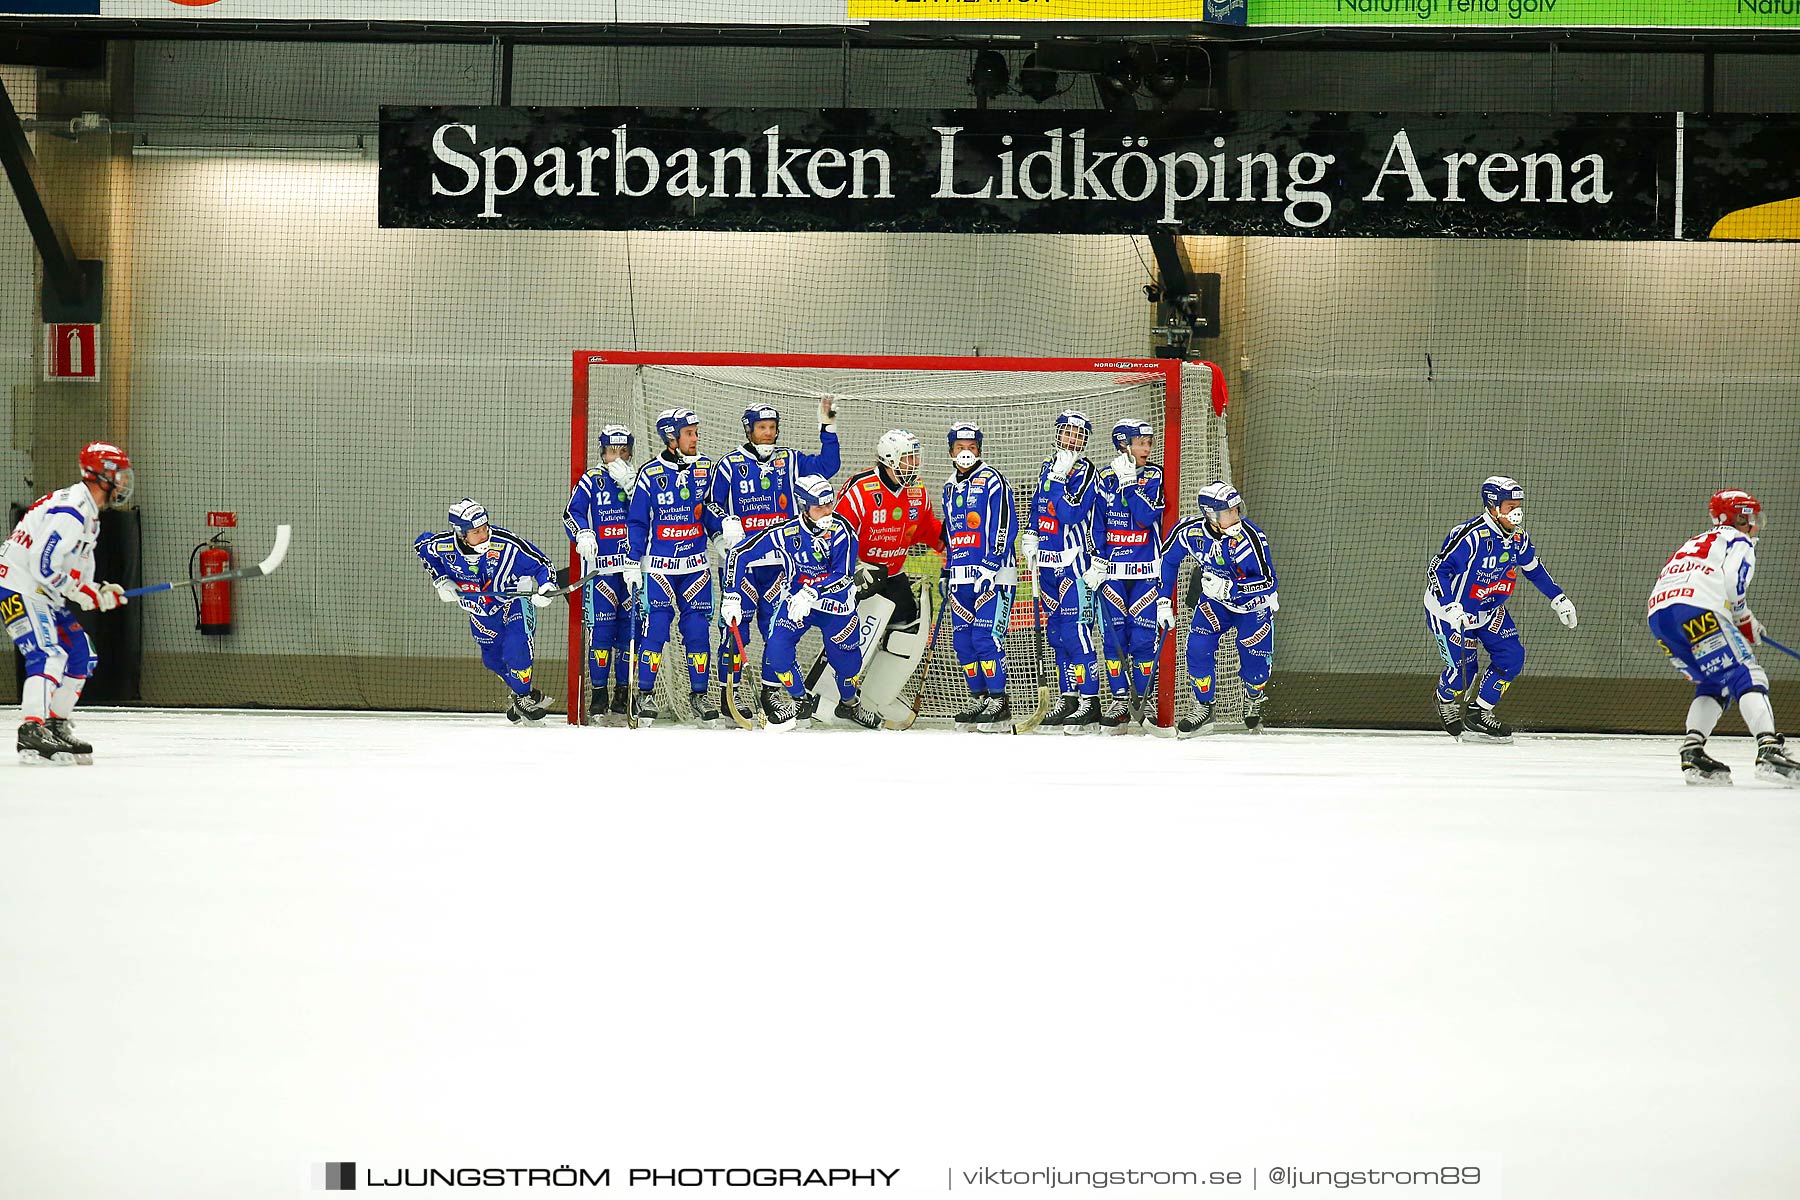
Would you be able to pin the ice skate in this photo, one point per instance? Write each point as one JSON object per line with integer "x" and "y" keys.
{"x": 1201, "y": 722}
{"x": 700, "y": 707}
{"x": 1488, "y": 728}
{"x": 1085, "y": 718}
{"x": 1773, "y": 763}
{"x": 64, "y": 729}
{"x": 1697, "y": 766}
{"x": 853, "y": 712}
{"x": 1253, "y": 712}
{"x": 1450, "y": 716}
{"x": 777, "y": 708}
{"x": 37, "y": 745}
{"x": 1066, "y": 706}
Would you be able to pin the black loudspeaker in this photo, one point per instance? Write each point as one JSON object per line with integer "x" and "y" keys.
{"x": 118, "y": 636}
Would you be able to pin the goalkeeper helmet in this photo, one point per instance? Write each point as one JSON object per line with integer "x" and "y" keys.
{"x": 898, "y": 451}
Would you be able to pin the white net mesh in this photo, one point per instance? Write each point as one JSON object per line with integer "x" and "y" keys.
{"x": 1016, "y": 410}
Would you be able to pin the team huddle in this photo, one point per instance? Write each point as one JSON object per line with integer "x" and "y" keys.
{"x": 793, "y": 553}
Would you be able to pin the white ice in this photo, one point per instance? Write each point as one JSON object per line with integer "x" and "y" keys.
{"x": 241, "y": 944}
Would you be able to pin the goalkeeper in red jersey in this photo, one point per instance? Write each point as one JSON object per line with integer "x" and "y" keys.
{"x": 890, "y": 512}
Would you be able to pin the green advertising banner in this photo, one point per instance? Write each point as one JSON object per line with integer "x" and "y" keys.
{"x": 1518, "y": 14}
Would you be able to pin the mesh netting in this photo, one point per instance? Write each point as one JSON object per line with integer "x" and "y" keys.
{"x": 1016, "y": 410}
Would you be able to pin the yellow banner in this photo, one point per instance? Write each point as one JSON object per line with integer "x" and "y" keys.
{"x": 1028, "y": 10}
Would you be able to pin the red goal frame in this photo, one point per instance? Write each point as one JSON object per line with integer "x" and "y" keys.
{"x": 1168, "y": 368}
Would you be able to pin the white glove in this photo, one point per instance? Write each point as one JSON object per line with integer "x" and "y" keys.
{"x": 1028, "y": 546}
{"x": 985, "y": 578}
{"x": 588, "y": 547}
{"x": 1216, "y": 587}
{"x": 1564, "y": 608}
{"x": 1165, "y": 613}
{"x": 633, "y": 574}
{"x": 1751, "y": 627}
{"x": 800, "y": 604}
{"x": 732, "y": 532}
{"x": 731, "y": 608}
{"x": 1062, "y": 464}
{"x": 81, "y": 595}
{"x": 1274, "y": 603}
{"x": 109, "y": 597}
{"x": 1451, "y": 614}
{"x": 544, "y": 594}
{"x": 523, "y": 586}
{"x": 828, "y": 411}
{"x": 1125, "y": 467}
{"x": 623, "y": 474}
{"x": 1094, "y": 576}
{"x": 446, "y": 590}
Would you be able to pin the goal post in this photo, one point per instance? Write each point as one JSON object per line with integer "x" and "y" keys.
{"x": 1014, "y": 399}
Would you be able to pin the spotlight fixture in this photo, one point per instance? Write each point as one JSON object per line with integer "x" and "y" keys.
{"x": 989, "y": 76}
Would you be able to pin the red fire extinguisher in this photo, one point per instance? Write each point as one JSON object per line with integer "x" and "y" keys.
{"x": 214, "y": 616}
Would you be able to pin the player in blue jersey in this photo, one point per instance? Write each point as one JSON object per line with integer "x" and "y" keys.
{"x": 1056, "y": 548}
{"x": 668, "y": 523}
{"x": 1127, "y": 570}
{"x": 753, "y": 490}
{"x": 1237, "y": 584}
{"x": 595, "y": 520}
{"x": 499, "y": 579}
{"x": 1466, "y": 590}
{"x": 815, "y": 561}
{"x": 979, "y": 531}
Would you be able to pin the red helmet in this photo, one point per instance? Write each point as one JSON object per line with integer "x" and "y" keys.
{"x": 105, "y": 464}
{"x": 1734, "y": 504}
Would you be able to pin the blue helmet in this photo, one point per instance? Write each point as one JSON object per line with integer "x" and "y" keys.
{"x": 813, "y": 491}
{"x": 1498, "y": 489}
{"x": 1070, "y": 418}
{"x": 1215, "y": 498}
{"x": 1124, "y": 431}
{"x": 671, "y": 421}
{"x": 465, "y": 515}
{"x": 964, "y": 431}
{"x": 616, "y": 435}
{"x": 760, "y": 412}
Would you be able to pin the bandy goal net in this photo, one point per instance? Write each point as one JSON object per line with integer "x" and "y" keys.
{"x": 1015, "y": 401}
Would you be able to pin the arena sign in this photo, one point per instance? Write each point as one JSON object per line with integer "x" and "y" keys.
{"x": 1526, "y": 14}
{"x": 1272, "y": 173}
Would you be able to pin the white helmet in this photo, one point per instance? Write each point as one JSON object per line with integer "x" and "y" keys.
{"x": 893, "y": 449}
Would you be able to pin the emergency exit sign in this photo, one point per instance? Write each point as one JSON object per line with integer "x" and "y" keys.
{"x": 72, "y": 352}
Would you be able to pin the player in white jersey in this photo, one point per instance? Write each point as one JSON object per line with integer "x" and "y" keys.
{"x": 49, "y": 560}
{"x": 1699, "y": 613}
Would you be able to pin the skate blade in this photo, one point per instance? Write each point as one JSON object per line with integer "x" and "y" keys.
{"x": 1203, "y": 731}
{"x": 1771, "y": 775}
{"x": 61, "y": 758}
{"x": 1696, "y": 779}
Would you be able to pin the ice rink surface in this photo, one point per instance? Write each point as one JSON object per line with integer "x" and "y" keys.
{"x": 244, "y": 943}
